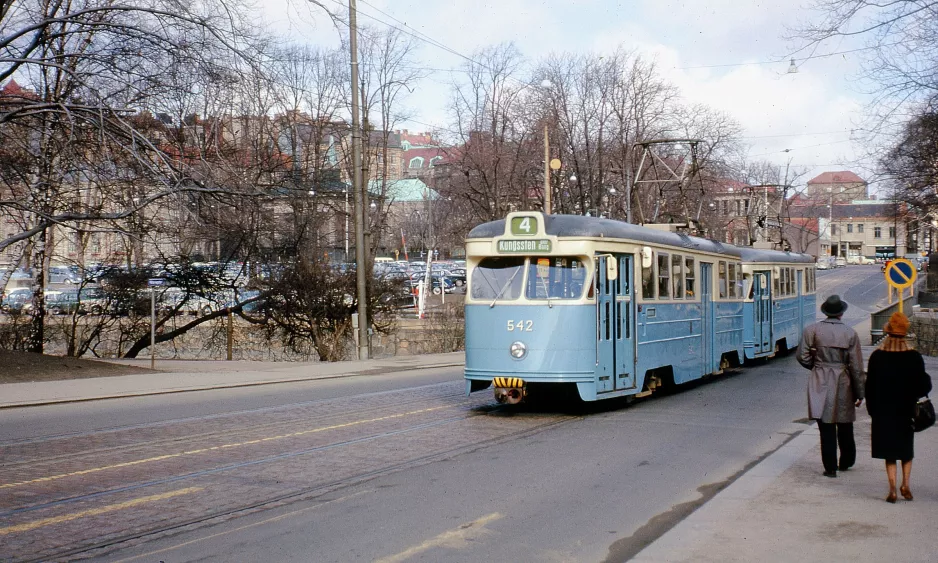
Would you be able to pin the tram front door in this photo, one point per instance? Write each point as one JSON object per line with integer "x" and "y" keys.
{"x": 761, "y": 313}
{"x": 615, "y": 362}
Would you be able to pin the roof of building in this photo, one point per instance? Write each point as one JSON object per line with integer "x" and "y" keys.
{"x": 417, "y": 140}
{"x": 841, "y": 177}
{"x": 404, "y": 190}
{"x": 427, "y": 154}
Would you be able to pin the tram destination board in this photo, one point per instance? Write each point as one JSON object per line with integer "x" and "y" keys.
{"x": 519, "y": 246}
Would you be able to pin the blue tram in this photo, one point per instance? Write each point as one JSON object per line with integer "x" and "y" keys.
{"x": 617, "y": 309}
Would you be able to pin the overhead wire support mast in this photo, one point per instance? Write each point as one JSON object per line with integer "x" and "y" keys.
{"x": 359, "y": 191}
{"x": 680, "y": 172}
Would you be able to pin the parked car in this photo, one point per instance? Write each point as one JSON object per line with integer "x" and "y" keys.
{"x": 823, "y": 263}
{"x": 840, "y": 262}
{"x": 64, "y": 275}
{"x": 17, "y": 300}
{"x": 860, "y": 260}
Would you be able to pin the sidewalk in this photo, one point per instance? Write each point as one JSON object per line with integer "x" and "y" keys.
{"x": 783, "y": 509}
{"x": 175, "y": 376}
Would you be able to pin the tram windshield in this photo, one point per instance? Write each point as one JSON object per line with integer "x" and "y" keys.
{"x": 497, "y": 278}
{"x": 555, "y": 277}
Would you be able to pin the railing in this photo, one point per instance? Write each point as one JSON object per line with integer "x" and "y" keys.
{"x": 879, "y": 318}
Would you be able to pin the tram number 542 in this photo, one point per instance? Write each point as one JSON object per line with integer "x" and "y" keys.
{"x": 521, "y": 326}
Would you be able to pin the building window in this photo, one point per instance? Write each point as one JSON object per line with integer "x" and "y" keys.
{"x": 405, "y": 145}
{"x": 860, "y": 227}
{"x": 434, "y": 160}
{"x": 892, "y": 232}
{"x": 833, "y": 229}
{"x": 849, "y": 227}
{"x": 877, "y": 232}
{"x": 416, "y": 162}
{"x": 726, "y": 209}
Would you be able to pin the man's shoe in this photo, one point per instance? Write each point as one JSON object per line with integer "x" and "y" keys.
{"x": 844, "y": 467}
{"x": 830, "y": 473}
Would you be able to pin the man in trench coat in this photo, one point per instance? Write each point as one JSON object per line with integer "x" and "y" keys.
{"x": 831, "y": 350}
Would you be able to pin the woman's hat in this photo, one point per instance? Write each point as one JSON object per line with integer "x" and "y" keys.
{"x": 898, "y": 325}
{"x": 833, "y": 307}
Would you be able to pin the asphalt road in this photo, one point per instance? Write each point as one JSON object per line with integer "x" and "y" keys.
{"x": 862, "y": 287}
{"x": 400, "y": 468}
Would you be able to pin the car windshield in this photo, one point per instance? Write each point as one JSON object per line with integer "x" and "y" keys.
{"x": 497, "y": 278}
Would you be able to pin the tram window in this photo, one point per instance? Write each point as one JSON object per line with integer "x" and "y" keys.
{"x": 648, "y": 281}
{"x": 722, "y": 278}
{"x": 732, "y": 280}
{"x": 689, "y": 275}
{"x": 677, "y": 279}
{"x": 775, "y": 284}
{"x": 497, "y": 277}
{"x": 788, "y": 282}
{"x": 664, "y": 283}
{"x": 555, "y": 277}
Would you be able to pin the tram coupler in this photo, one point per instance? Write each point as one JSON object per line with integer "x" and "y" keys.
{"x": 510, "y": 390}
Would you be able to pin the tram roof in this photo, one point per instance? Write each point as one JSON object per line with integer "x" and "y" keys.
{"x": 762, "y": 256}
{"x": 597, "y": 227}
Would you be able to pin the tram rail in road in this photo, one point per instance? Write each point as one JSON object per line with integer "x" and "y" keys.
{"x": 91, "y": 493}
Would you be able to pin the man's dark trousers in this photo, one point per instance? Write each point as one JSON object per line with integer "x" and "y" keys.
{"x": 833, "y": 435}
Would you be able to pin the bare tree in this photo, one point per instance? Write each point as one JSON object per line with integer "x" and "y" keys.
{"x": 87, "y": 70}
{"x": 492, "y": 134}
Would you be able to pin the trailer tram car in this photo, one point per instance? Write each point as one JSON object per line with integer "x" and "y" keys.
{"x": 618, "y": 310}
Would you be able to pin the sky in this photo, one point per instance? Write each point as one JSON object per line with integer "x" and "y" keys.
{"x": 731, "y": 55}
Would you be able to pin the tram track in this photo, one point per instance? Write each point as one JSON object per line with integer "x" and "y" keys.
{"x": 415, "y": 443}
{"x": 51, "y": 442}
{"x": 204, "y": 418}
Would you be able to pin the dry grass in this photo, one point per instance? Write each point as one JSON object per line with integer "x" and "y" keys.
{"x": 19, "y": 367}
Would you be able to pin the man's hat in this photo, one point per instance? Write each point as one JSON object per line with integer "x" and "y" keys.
{"x": 833, "y": 307}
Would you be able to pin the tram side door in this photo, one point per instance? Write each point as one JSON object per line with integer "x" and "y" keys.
{"x": 605, "y": 328}
{"x": 625, "y": 323}
{"x": 762, "y": 312}
{"x": 615, "y": 323}
{"x": 707, "y": 312}
{"x": 800, "y": 300}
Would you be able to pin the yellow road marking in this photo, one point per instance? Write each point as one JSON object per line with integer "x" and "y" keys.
{"x": 94, "y": 511}
{"x": 453, "y": 539}
{"x": 211, "y": 449}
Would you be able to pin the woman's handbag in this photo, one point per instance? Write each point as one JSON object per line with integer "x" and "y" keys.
{"x": 924, "y": 416}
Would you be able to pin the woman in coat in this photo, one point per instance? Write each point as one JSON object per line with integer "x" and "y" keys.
{"x": 895, "y": 380}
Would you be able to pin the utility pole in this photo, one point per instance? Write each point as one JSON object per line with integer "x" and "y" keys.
{"x": 546, "y": 171}
{"x": 358, "y": 190}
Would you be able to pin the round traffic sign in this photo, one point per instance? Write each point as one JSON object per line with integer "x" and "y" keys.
{"x": 900, "y": 273}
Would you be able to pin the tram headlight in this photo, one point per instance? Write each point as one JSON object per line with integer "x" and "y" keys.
{"x": 518, "y": 350}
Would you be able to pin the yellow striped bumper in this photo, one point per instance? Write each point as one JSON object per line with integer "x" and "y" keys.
{"x": 508, "y": 382}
